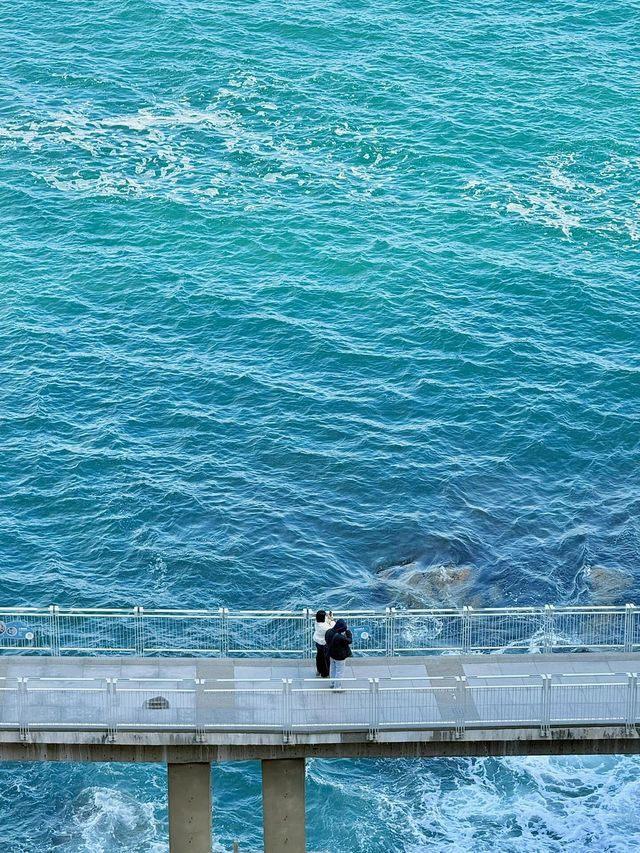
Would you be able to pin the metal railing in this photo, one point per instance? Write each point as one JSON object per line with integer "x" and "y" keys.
{"x": 252, "y": 633}
{"x": 289, "y": 707}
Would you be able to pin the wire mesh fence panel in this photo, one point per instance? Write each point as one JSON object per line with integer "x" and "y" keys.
{"x": 231, "y": 707}
{"x": 411, "y": 706}
{"x": 181, "y": 633}
{"x": 23, "y": 630}
{"x": 588, "y": 702}
{"x": 157, "y": 706}
{"x": 634, "y": 632}
{"x": 9, "y": 703}
{"x": 503, "y": 704}
{"x": 322, "y": 707}
{"x": 97, "y": 632}
{"x": 490, "y": 630}
{"x": 369, "y": 632}
{"x": 268, "y": 633}
{"x": 420, "y": 632}
{"x": 590, "y": 628}
{"x": 52, "y": 704}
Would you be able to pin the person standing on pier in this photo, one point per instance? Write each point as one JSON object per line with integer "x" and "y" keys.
{"x": 324, "y": 622}
{"x": 338, "y": 644}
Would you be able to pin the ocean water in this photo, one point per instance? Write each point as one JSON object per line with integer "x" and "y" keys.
{"x": 293, "y": 293}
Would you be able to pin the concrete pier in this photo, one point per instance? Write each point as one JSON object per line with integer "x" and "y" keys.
{"x": 189, "y": 791}
{"x": 283, "y": 804}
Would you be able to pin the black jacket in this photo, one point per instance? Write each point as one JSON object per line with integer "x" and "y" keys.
{"x": 339, "y": 644}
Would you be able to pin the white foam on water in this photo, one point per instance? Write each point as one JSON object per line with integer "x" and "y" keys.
{"x": 157, "y": 150}
{"x": 109, "y": 820}
{"x": 545, "y": 210}
{"x": 568, "y": 191}
{"x": 140, "y": 153}
{"x": 560, "y": 180}
{"x": 535, "y": 805}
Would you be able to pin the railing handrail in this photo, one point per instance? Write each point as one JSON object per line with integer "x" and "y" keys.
{"x": 149, "y": 683}
{"x": 300, "y": 613}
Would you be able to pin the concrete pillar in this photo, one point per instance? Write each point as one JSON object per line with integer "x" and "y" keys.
{"x": 189, "y": 807}
{"x": 283, "y": 805}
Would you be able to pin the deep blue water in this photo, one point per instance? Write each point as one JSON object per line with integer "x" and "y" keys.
{"x": 295, "y": 293}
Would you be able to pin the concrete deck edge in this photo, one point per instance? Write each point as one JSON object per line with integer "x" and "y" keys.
{"x": 605, "y": 740}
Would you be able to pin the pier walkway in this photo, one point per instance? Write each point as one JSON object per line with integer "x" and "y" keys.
{"x": 83, "y": 708}
{"x": 189, "y": 690}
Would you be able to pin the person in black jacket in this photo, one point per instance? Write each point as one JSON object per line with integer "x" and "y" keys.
{"x": 338, "y": 645}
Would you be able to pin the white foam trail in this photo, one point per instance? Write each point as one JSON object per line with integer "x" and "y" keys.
{"x": 109, "y": 820}
{"x": 560, "y": 180}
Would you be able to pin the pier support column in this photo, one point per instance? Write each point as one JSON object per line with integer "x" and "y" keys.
{"x": 189, "y": 807}
{"x": 283, "y": 805}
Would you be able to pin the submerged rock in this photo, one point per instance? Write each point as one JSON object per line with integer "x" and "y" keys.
{"x": 431, "y": 586}
{"x": 608, "y": 585}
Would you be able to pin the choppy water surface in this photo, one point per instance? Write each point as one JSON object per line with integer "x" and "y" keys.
{"x": 294, "y": 294}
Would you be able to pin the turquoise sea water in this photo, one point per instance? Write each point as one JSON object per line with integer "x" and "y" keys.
{"x": 293, "y": 293}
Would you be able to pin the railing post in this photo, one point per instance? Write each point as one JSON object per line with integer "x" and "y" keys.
{"x": 545, "y": 706}
{"x": 138, "y": 615}
{"x": 629, "y": 626}
{"x": 54, "y": 629}
{"x": 287, "y": 710}
{"x": 390, "y": 631}
{"x": 374, "y": 709}
{"x": 199, "y": 711}
{"x": 112, "y": 709}
{"x": 23, "y": 708}
{"x": 466, "y": 630}
{"x": 548, "y": 628}
{"x": 308, "y": 644}
{"x": 311, "y": 628}
{"x": 224, "y": 632}
{"x": 630, "y": 710}
{"x": 461, "y": 701}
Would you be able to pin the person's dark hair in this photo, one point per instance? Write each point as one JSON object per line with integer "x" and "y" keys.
{"x": 320, "y": 615}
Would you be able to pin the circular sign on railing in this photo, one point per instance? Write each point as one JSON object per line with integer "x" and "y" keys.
{"x": 16, "y": 631}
